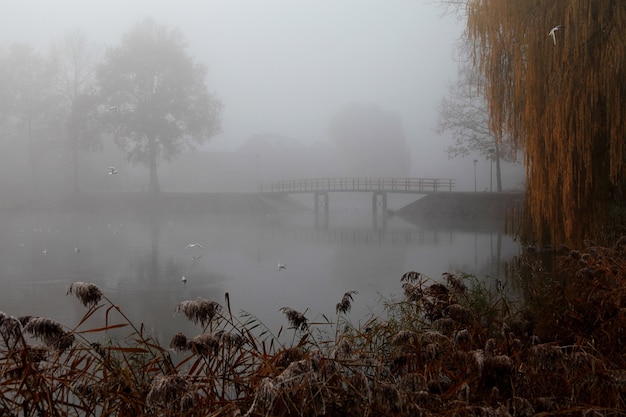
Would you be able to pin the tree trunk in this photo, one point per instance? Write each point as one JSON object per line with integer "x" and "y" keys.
{"x": 31, "y": 148}
{"x": 498, "y": 171}
{"x": 153, "y": 186}
{"x": 74, "y": 139}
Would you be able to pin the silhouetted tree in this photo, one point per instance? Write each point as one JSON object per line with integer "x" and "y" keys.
{"x": 75, "y": 62}
{"x": 30, "y": 101}
{"x": 157, "y": 99}
{"x": 562, "y": 101}
{"x": 370, "y": 142}
{"x": 464, "y": 113}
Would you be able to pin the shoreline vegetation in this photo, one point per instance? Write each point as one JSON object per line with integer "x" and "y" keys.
{"x": 444, "y": 347}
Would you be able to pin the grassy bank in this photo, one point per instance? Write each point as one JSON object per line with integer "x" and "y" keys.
{"x": 444, "y": 347}
{"x": 146, "y": 203}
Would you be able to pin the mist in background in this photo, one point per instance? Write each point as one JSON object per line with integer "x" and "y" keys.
{"x": 287, "y": 74}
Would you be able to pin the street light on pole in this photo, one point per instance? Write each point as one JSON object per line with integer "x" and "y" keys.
{"x": 475, "y": 162}
{"x": 491, "y": 152}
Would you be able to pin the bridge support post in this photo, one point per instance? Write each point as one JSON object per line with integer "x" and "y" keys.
{"x": 321, "y": 206}
{"x": 379, "y": 201}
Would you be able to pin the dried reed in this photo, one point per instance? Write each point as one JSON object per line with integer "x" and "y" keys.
{"x": 89, "y": 294}
{"x": 445, "y": 348}
{"x": 199, "y": 311}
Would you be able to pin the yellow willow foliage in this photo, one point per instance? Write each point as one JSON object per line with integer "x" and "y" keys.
{"x": 563, "y": 104}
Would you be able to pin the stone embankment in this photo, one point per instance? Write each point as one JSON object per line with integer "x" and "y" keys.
{"x": 459, "y": 209}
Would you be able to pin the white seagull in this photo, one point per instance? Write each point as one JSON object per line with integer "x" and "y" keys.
{"x": 195, "y": 258}
{"x": 553, "y": 32}
{"x": 282, "y": 266}
{"x": 112, "y": 171}
{"x": 194, "y": 245}
{"x": 183, "y": 280}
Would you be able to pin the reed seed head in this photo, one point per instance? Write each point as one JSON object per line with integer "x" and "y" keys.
{"x": 345, "y": 305}
{"x": 295, "y": 318}
{"x": 179, "y": 342}
{"x": 168, "y": 391}
{"x": 345, "y": 348}
{"x": 267, "y": 394}
{"x": 404, "y": 337}
{"x": 463, "y": 339}
{"x": 88, "y": 294}
{"x": 36, "y": 353}
{"x": 456, "y": 282}
{"x": 199, "y": 311}
{"x": 387, "y": 395}
{"x": 461, "y": 314}
{"x": 51, "y": 332}
{"x": 413, "y": 292}
{"x": 10, "y": 327}
{"x": 231, "y": 339}
{"x": 411, "y": 277}
{"x": 205, "y": 344}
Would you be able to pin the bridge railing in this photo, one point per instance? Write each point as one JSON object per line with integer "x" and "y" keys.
{"x": 400, "y": 185}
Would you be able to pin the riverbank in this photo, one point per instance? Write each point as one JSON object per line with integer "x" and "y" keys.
{"x": 165, "y": 202}
{"x": 462, "y": 209}
{"x": 450, "y": 208}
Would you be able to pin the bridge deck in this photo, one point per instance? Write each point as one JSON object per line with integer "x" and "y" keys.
{"x": 396, "y": 185}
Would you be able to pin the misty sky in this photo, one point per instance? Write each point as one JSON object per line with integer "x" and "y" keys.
{"x": 286, "y": 67}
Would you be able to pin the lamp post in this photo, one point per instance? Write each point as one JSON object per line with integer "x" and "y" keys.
{"x": 491, "y": 152}
{"x": 475, "y": 162}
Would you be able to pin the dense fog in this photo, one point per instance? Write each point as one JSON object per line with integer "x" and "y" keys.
{"x": 102, "y": 102}
{"x": 289, "y": 75}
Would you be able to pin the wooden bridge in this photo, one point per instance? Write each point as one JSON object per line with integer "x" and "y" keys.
{"x": 390, "y": 185}
{"x": 320, "y": 187}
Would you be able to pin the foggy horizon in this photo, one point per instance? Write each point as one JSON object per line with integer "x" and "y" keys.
{"x": 283, "y": 68}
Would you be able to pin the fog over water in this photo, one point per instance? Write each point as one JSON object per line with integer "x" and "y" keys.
{"x": 293, "y": 77}
{"x": 139, "y": 263}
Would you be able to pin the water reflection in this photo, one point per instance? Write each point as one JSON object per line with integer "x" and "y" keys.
{"x": 139, "y": 261}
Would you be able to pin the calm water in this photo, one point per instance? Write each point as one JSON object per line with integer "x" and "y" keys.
{"x": 138, "y": 263}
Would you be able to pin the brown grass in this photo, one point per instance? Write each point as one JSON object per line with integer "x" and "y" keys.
{"x": 451, "y": 347}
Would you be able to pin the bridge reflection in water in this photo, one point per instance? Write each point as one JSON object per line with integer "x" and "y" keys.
{"x": 379, "y": 187}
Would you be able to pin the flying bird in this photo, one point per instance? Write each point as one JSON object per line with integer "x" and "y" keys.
{"x": 195, "y": 258}
{"x": 45, "y": 252}
{"x": 553, "y": 32}
{"x": 113, "y": 108}
{"x": 112, "y": 171}
{"x": 282, "y": 266}
{"x": 194, "y": 245}
{"x": 183, "y": 280}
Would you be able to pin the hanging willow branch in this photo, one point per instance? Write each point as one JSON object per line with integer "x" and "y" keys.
{"x": 563, "y": 101}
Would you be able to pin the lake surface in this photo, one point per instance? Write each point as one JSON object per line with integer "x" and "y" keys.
{"x": 138, "y": 262}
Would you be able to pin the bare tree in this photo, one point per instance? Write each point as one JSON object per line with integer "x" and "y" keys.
{"x": 31, "y": 106}
{"x": 465, "y": 115}
{"x": 157, "y": 99}
{"x": 75, "y": 60}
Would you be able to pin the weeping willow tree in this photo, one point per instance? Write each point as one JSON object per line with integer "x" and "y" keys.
{"x": 561, "y": 98}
